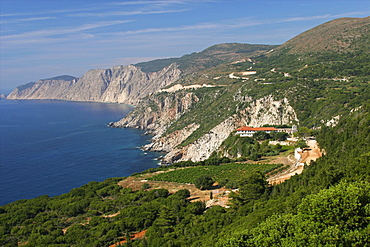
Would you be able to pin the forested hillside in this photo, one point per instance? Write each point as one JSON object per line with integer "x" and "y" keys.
{"x": 327, "y": 204}
{"x": 319, "y": 83}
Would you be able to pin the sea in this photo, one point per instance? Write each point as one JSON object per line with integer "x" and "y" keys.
{"x": 48, "y": 147}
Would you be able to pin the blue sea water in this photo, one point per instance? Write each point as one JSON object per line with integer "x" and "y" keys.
{"x": 50, "y": 147}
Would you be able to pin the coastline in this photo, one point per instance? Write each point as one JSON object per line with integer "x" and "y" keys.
{"x": 108, "y": 144}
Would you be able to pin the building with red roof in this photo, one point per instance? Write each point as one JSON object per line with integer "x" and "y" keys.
{"x": 249, "y": 131}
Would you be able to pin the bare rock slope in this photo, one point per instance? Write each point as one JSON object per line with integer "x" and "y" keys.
{"x": 120, "y": 84}
{"x": 156, "y": 116}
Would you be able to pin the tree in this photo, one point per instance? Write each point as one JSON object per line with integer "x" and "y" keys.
{"x": 338, "y": 216}
{"x": 251, "y": 188}
{"x": 304, "y": 132}
{"x": 261, "y": 135}
{"x": 184, "y": 193}
{"x": 346, "y": 205}
{"x": 280, "y": 136}
{"x": 254, "y": 156}
{"x": 145, "y": 186}
{"x": 301, "y": 144}
{"x": 204, "y": 182}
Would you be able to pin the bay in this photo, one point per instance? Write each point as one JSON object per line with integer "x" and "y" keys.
{"x": 50, "y": 147}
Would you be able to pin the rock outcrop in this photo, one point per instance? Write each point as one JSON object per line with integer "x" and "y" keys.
{"x": 169, "y": 142}
{"x": 159, "y": 111}
{"x": 120, "y": 84}
{"x": 202, "y": 148}
{"x": 260, "y": 112}
{"x": 155, "y": 113}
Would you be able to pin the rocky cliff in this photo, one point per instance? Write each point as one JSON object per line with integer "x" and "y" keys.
{"x": 155, "y": 113}
{"x": 159, "y": 111}
{"x": 262, "y": 111}
{"x": 120, "y": 84}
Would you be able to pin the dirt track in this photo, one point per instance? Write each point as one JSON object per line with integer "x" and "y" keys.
{"x": 312, "y": 153}
{"x": 308, "y": 155}
{"x": 220, "y": 195}
{"x": 133, "y": 237}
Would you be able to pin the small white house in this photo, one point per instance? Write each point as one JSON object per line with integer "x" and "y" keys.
{"x": 249, "y": 131}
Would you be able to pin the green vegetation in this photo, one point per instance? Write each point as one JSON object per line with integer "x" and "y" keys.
{"x": 248, "y": 148}
{"x": 301, "y": 144}
{"x": 96, "y": 214}
{"x": 327, "y": 205}
{"x": 320, "y": 83}
{"x": 316, "y": 99}
{"x": 230, "y": 172}
{"x": 251, "y": 188}
{"x": 204, "y": 182}
{"x": 340, "y": 35}
{"x": 334, "y": 217}
{"x": 294, "y": 212}
{"x": 210, "y": 57}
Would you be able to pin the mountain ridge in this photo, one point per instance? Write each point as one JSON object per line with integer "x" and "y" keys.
{"x": 292, "y": 98}
{"x": 209, "y": 57}
{"x": 227, "y": 81}
{"x": 338, "y": 35}
{"x": 88, "y": 88}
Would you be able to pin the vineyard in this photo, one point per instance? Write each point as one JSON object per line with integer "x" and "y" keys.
{"x": 233, "y": 171}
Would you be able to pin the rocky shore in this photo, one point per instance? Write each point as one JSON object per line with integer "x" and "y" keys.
{"x": 157, "y": 114}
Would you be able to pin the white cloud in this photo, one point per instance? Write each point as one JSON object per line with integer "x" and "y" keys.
{"x": 154, "y": 2}
{"x": 40, "y": 35}
{"x": 26, "y": 19}
{"x": 126, "y": 13}
{"x": 48, "y": 12}
{"x": 75, "y": 33}
{"x": 232, "y": 24}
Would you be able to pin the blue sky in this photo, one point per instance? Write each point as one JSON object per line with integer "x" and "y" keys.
{"x": 45, "y": 38}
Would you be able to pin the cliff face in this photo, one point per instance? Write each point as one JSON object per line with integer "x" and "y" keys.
{"x": 157, "y": 114}
{"x": 43, "y": 89}
{"x": 120, "y": 84}
{"x": 262, "y": 111}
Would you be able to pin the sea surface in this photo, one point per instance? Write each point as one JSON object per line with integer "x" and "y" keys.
{"x": 50, "y": 147}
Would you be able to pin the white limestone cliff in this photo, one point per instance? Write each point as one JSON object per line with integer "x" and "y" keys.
{"x": 262, "y": 111}
{"x": 120, "y": 84}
